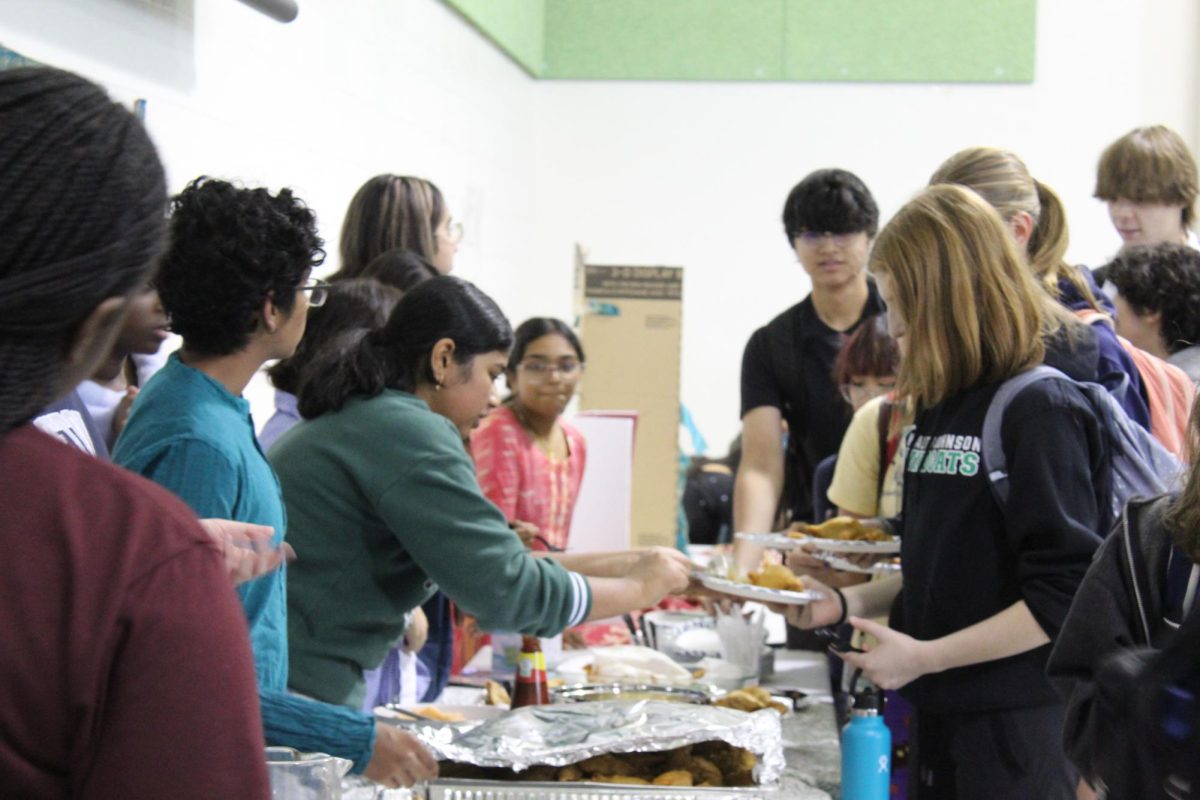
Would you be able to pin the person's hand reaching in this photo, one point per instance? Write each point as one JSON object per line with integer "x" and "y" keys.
{"x": 246, "y": 548}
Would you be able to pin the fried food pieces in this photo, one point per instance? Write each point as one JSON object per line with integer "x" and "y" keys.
{"x": 752, "y": 698}
{"x": 776, "y": 576}
{"x": 433, "y": 712}
{"x": 846, "y": 529}
{"x": 704, "y": 764}
{"x": 674, "y": 777}
{"x": 496, "y": 695}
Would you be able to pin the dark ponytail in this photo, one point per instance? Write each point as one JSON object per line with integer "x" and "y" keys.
{"x": 82, "y": 216}
{"x": 357, "y": 304}
{"x": 397, "y": 355}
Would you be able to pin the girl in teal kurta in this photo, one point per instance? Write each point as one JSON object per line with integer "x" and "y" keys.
{"x": 384, "y": 508}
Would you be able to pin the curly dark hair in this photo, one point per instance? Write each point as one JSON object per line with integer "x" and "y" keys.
{"x": 830, "y": 200}
{"x": 230, "y": 249}
{"x": 1163, "y": 278}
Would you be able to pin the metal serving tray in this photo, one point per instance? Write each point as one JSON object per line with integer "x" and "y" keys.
{"x": 460, "y": 789}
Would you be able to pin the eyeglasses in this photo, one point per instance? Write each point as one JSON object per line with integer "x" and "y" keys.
{"x": 814, "y": 238}
{"x": 541, "y": 370}
{"x": 453, "y": 231}
{"x": 319, "y": 292}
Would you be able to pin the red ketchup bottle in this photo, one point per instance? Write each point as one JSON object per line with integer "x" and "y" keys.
{"x": 530, "y": 686}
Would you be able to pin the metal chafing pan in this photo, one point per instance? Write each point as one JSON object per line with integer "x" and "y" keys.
{"x": 588, "y": 692}
{"x": 455, "y": 789}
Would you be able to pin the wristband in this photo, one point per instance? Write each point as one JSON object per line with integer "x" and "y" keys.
{"x": 845, "y": 607}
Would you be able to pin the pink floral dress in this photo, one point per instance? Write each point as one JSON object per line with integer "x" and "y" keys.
{"x": 523, "y": 481}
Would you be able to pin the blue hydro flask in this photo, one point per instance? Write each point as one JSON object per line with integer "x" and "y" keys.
{"x": 866, "y": 750}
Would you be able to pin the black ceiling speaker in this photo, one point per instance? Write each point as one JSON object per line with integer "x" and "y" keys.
{"x": 281, "y": 10}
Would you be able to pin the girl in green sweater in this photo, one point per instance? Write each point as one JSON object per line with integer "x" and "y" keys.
{"x": 384, "y": 507}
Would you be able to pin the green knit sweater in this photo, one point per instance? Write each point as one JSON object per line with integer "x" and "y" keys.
{"x": 383, "y": 509}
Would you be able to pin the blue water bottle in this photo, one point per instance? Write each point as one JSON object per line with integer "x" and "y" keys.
{"x": 866, "y": 750}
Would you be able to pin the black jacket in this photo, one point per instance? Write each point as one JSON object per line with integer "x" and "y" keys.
{"x": 1127, "y": 608}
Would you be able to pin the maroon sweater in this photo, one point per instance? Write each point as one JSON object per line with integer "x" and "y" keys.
{"x": 125, "y": 666}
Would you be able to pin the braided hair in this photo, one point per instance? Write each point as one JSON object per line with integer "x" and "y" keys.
{"x": 82, "y": 219}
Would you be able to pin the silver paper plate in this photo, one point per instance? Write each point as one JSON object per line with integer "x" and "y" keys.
{"x": 590, "y": 692}
{"x": 749, "y": 591}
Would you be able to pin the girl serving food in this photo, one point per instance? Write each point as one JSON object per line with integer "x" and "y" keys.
{"x": 384, "y": 507}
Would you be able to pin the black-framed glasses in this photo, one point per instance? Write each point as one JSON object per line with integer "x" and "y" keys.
{"x": 318, "y": 292}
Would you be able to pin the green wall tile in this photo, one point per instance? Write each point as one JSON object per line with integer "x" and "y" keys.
{"x": 910, "y": 40}
{"x": 764, "y": 40}
{"x": 516, "y": 26}
{"x": 665, "y": 39}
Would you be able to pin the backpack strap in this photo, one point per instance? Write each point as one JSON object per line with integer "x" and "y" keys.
{"x": 995, "y": 462}
{"x": 1138, "y": 520}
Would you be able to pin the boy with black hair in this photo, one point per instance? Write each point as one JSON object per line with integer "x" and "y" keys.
{"x": 236, "y": 282}
{"x": 829, "y": 219}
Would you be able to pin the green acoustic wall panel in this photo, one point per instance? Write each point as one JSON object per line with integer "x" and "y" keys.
{"x": 665, "y": 39}
{"x": 910, "y": 40}
{"x": 516, "y": 26}
{"x": 764, "y": 40}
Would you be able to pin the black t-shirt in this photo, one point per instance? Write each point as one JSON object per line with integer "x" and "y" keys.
{"x": 788, "y": 364}
{"x": 966, "y": 559}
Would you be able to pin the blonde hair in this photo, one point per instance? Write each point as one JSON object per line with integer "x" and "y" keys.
{"x": 1150, "y": 165}
{"x": 1001, "y": 178}
{"x": 972, "y": 310}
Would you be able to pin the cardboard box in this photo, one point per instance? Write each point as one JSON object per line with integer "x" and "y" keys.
{"x": 630, "y": 321}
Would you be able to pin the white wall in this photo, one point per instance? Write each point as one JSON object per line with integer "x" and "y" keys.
{"x": 695, "y": 175}
{"x": 350, "y": 89}
{"x": 642, "y": 173}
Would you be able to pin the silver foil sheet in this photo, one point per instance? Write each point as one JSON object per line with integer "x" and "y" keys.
{"x": 557, "y": 735}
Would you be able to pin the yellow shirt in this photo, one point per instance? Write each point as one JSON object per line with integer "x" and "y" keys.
{"x": 856, "y": 476}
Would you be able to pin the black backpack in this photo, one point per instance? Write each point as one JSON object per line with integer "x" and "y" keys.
{"x": 1159, "y": 752}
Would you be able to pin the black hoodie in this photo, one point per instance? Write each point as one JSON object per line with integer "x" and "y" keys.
{"x": 965, "y": 559}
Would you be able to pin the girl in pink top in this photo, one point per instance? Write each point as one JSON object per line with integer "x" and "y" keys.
{"x": 529, "y": 461}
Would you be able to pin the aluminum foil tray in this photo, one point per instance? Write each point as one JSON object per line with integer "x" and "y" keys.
{"x": 561, "y": 734}
{"x": 452, "y": 789}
